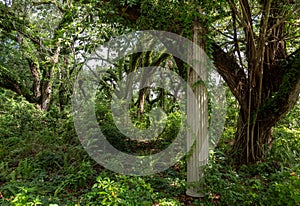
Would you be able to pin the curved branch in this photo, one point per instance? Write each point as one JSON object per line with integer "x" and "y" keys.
{"x": 231, "y": 72}
{"x": 10, "y": 83}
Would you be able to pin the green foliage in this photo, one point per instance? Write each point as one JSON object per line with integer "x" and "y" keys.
{"x": 121, "y": 191}
{"x": 76, "y": 178}
{"x": 44, "y": 163}
{"x": 23, "y": 198}
{"x": 35, "y": 153}
{"x": 171, "y": 15}
{"x": 41, "y": 159}
{"x": 232, "y": 115}
{"x": 286, "y": 146}
{"x": 260, "y": 184}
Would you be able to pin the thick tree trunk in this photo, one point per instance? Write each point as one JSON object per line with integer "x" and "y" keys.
{"x": 46, "y": 87}
{"x": 255, "y": 124}
{"x": 46, "y": 94}
{"x": 36, "y": 79}
{"x": 268, "y": 86}
{"x": 253, "y": 141}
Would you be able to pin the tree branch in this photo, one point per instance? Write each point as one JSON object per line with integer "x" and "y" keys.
{"x": 235, "y": 36}
{"x": 10, "y": 83}
{"x": 231, "y": 72}
{"x": 285, "y": 18}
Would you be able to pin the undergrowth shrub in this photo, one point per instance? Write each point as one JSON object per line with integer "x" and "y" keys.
{"x": 43, "y": 163}
{"x": 121, "y": 190}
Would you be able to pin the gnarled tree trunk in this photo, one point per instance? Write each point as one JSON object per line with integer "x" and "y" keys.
{"x": 268, "y": 87}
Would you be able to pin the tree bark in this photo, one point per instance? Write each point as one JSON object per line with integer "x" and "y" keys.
{"x": 253, "y": 149}
{"x": 36, "y": 80}
{"x": 279, "y": 94}
{"x": 46, "y": 90}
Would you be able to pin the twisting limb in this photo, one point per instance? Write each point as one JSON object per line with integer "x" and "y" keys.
{"x": 235, "y": 39}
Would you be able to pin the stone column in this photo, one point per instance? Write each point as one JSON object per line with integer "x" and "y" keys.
{"x": 197, "y": 121}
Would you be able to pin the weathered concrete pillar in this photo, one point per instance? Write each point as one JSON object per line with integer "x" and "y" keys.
{"x": 197, "y": 121}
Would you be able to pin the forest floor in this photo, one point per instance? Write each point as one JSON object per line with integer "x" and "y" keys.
{"x": 43, "y": 163}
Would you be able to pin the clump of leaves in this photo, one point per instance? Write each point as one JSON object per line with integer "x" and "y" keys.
{"x": 121, "y": 190}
